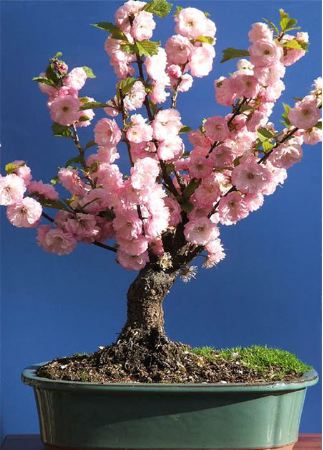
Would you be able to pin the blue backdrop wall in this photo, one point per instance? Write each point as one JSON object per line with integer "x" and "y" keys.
{"x": 267, "y": 290}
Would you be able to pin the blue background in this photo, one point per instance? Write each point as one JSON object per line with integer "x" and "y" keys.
{"x": 267, "y": 290}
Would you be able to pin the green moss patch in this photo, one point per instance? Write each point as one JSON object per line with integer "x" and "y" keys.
{"x": 269, "y": 363}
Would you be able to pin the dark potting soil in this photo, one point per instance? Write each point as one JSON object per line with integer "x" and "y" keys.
{"x": 155, "y": 359}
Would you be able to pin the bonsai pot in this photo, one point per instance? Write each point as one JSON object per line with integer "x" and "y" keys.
{"x": 76, "y": 415}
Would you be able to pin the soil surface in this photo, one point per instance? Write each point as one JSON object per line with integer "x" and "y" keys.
{"x": 153, "y": 359}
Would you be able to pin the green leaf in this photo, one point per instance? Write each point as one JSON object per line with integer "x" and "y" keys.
{"x": 295, "y": 44}
{"x": 71, "y": 161}
{"x": 207, "y": 39}
{"x": 84, "y": 119}
{"x": 286, "y": 22}
{"x": 267, "y": 146}
{"x": 286, "y": 120}
{"x": 129, "y": 48}
{"x": 93, "y": 105}
{"x": 318, "y": 125}
{"x": 89, "y": 72}
{"x": 126, "y": 84}
{"x": 160, "y": 8}
{"x": 147, "y": 48}
{"x": 54, "y": 181}
{"x": 178, "y": 9}
{"x": 191, "y": 187}
{"x": 90, "y": 144}
{"x": 231, "y": 53}
{"x": 272, "y": 25}
{"x": 186, "y": 205}
{"x": 185, "y": 129}
{"x": 61, "y": 130}
{"x": 43, "y": 80}
{"x": 52, "y": 74}
{"x": 116, "y": 33}
{"x": 57, "y": 55}
{"x": 12, "y": 167}
{"x": 264, "y": 134}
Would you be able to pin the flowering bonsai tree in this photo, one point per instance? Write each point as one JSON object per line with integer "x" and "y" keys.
{"x": 171, "y": 203}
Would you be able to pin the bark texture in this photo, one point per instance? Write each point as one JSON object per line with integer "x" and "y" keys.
{"x": 145, "y": 301}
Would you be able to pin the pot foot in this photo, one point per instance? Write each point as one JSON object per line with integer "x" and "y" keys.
{"x": 284, "y": 447}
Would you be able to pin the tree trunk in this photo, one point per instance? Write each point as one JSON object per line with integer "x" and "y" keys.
{"x": 145, "y": 302}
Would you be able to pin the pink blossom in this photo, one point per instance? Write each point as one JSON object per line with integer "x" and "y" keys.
{"x": 278, "y": 178}
{"x": 170, "y": 149}
{"x": 274, "y": 91}
{"x": 159, "y": 93}
{"x": 156, "y": 65}
{"x": 222, "y": 157}
{"x": 216, "y": 128}
{"x": 312, "y": 136}
{"x": 305, "y": 114}
{"x": 65, "y": 110}
{"x": 208, "y": 192}
{"x": 76, "y": 78}
{"x": 254, "y": 201}
{"x": 127, "y": 10}
{"x": 133, "y": 247}
{"x": 265, "y": 53}
{"x": 232, "y": 208}
{"x": 200, "y": 231}
{"x": 191, "y": 23}
{"x": 21, "y": 169}
{"x": 174, "y": 211}
{"x": 186, "y": 83}
{"x": 132, "y": 262}
{"x": 167, "y": 124}
{"x": 143, "y": 26}
{"x": 105, "y": 229}
{"x": 259, "y": 31}
{"x": 157, "y": 247}
{"x": 12, "y": 189}
{"x": 224, "y": 91}
{"x": 269, "y": 75}
{"x": 55, "y": 240}
{"x": 215, "y": 253}
{"x": 87, "y": 115}
{"x": 127, "y": 224}
{"x": 200, "y": 166}
{"x": 96, "y": 200}
{"x": 144, "y": 173}
{"x": 25, "y": 213}
{"x": 198, "y": 139}
{"x": 120, "y": 61}
{"x": 250, "y": 177}
{"x": 201, "y": 60}
{"x": 139, "y": 131}
{"x": 178, "y": 49}
{"x": 71, "y": 181}
{"x": 256, "y": 119}
{"x": 245, "y": 85}
{"x": 287, "y": 154}
{"x": 44, "y": 190}
{"x": 107, "y": 133}
{"x": 136, "y": 97}
{"x": 82, "y": 227}
{"x": 110, "y": 111}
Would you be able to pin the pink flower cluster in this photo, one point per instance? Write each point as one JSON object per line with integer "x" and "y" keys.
{"x": 235, "y": 160}
{"x": 63, "y": 100}
{"x": 23, "y": 211}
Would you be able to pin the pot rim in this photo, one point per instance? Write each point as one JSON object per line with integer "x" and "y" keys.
{"x": 30, "y": 378}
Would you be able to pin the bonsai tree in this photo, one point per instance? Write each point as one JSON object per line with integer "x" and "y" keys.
{"x": 169, "y": 205}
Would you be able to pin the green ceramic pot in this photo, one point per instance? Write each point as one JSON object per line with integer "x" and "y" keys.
{"x": 168, "y": 416}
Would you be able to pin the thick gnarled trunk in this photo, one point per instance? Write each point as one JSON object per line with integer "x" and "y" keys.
{"x": 145, "y": 302}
